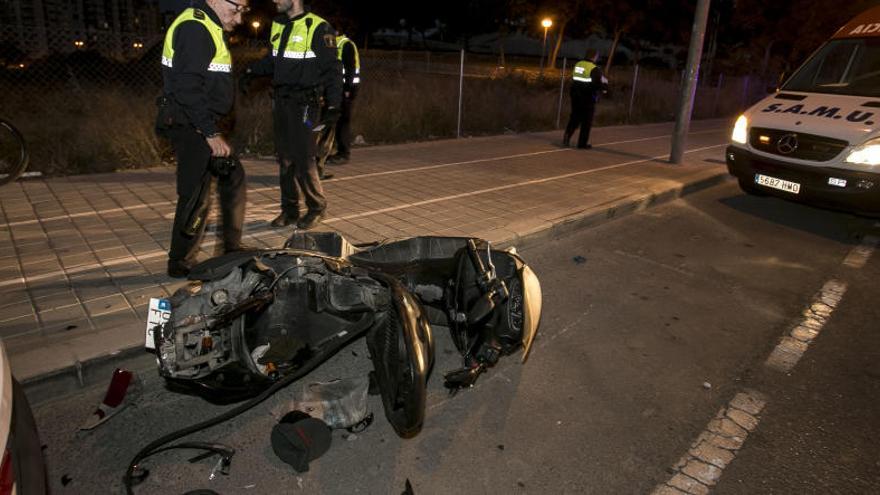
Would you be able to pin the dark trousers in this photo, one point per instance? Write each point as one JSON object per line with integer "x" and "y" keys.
{"x": 343, "y": 128}
{"x": 295, "y": 144}
{"x": 582, "y": 111}
{"x": 193, "y": 158}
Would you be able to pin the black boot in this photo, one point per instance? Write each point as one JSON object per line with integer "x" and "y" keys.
{"x": 240, "y": 248}
{"x": 311, "y": 220}
{"x": 566, "y": 140}
{"x": 179, "y": 268}
{"x": 283, "y": 220}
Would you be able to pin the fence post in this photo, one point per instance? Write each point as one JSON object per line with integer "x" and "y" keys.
{"x": 632, "y": 95}
{"x": 745, "y": 93}
{"x": 460, "y": 93}
{"x": 561, "y": 91}
{"x": 717, "y": 94}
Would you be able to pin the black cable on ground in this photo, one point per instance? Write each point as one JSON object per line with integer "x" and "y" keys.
{"x": 354, "y": 330}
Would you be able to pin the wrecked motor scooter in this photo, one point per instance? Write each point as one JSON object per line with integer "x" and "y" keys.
{"x": 250, "y": 320}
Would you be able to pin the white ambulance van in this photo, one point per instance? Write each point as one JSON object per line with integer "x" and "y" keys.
{"x": 817, "y": 139}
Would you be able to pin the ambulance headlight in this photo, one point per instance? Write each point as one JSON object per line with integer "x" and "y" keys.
{"x": 866, "y": 154}
{"x": 740, "y": 130}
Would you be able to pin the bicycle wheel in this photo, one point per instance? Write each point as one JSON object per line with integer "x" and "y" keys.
{"x": 13, "y": 153}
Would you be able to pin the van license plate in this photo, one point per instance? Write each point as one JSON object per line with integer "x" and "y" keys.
{"x": 782, "y": 185}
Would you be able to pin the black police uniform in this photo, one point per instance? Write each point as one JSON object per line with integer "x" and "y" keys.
{"x": 349, "y": 88}
{"x": 584, "y": 96}
{"x": 195, "y": 103}
{"x": 301, "y": 86}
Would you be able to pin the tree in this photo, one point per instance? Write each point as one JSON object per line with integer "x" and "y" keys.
{"x": 765, "y": 36}
{"x": 509, "y": 16}
{"x": 619, "y": 17}
{"x": 564, "y": 12}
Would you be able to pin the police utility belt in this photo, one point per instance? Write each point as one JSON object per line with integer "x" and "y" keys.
{"x": 308, "y": 96}
{"x": 171, "y": 115}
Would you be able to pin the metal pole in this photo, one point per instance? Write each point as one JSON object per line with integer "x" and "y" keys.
{"x": 543, "y": 49}
{"x": 460, "y": 94}
{"x": 632, "y": 96}
{"x": 561, "y": 92}
{"x": 689, "y": 90}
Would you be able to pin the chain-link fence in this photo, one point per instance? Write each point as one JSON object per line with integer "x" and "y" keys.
{"x": 89, "y": 104}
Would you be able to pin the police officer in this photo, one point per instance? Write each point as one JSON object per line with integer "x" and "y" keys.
{"x": 347, "y": 53}
{"x": 588, "y": 82}
{"x": 305, "y": 77}
{"x": 198, "y": 94}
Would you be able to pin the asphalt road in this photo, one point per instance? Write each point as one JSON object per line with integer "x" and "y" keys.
{"x": 651, "y": 324}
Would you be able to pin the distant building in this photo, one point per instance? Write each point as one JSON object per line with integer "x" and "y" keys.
{"x": 115, "y": 28}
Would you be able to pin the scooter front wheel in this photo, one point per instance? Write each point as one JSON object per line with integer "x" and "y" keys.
{"x": 403, "y": 388}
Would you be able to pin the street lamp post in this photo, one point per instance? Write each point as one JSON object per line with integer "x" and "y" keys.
{"x": 546, "y": 23}
{"x": 256, "y": 25}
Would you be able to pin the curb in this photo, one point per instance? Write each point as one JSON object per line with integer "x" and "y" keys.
{"x": 95, "y": 371}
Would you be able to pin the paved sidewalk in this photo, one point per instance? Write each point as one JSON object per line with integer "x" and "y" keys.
{"x": 80, "y": 257}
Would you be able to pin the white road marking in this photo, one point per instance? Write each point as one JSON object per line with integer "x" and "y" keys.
{"x": 793, "y": 346}
{"x": 715, "y": 447}
{"x": 858, "y": 257}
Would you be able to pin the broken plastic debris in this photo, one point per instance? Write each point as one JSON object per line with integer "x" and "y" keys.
{"x": 579, "y": 260}
{"x": 258, "y": 353}
{"x": 339, "y": 403}
{"x": 221, "y": 467}
{"x": 120, "y": 393}
{"x": 707, "y": 385}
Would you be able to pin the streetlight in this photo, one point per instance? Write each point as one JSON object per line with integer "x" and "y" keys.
{"x": 256, "y": 25}
{"x": 546, "y": 22}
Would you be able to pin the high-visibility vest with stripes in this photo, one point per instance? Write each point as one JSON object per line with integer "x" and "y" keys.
{"x": 341, "y": 41}
{"x": 299, "y": 44}
{"x": 582, "y": 71}
{"x": 222, "y": 61}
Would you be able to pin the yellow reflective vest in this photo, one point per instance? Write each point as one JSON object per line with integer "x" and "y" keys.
{"x": 222, "y": 61}
{"x": 355, "y": 78}
{"x": 582, "y": 71}
{"x": 299, "y": 44}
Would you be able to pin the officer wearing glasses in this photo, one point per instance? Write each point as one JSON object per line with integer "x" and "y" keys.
{"x": 198, "y": 96}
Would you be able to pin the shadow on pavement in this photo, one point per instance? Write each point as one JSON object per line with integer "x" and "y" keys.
{"x": 834, "y": 225}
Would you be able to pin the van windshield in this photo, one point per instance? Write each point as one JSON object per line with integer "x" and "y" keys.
{"x": 843, "y": 66}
